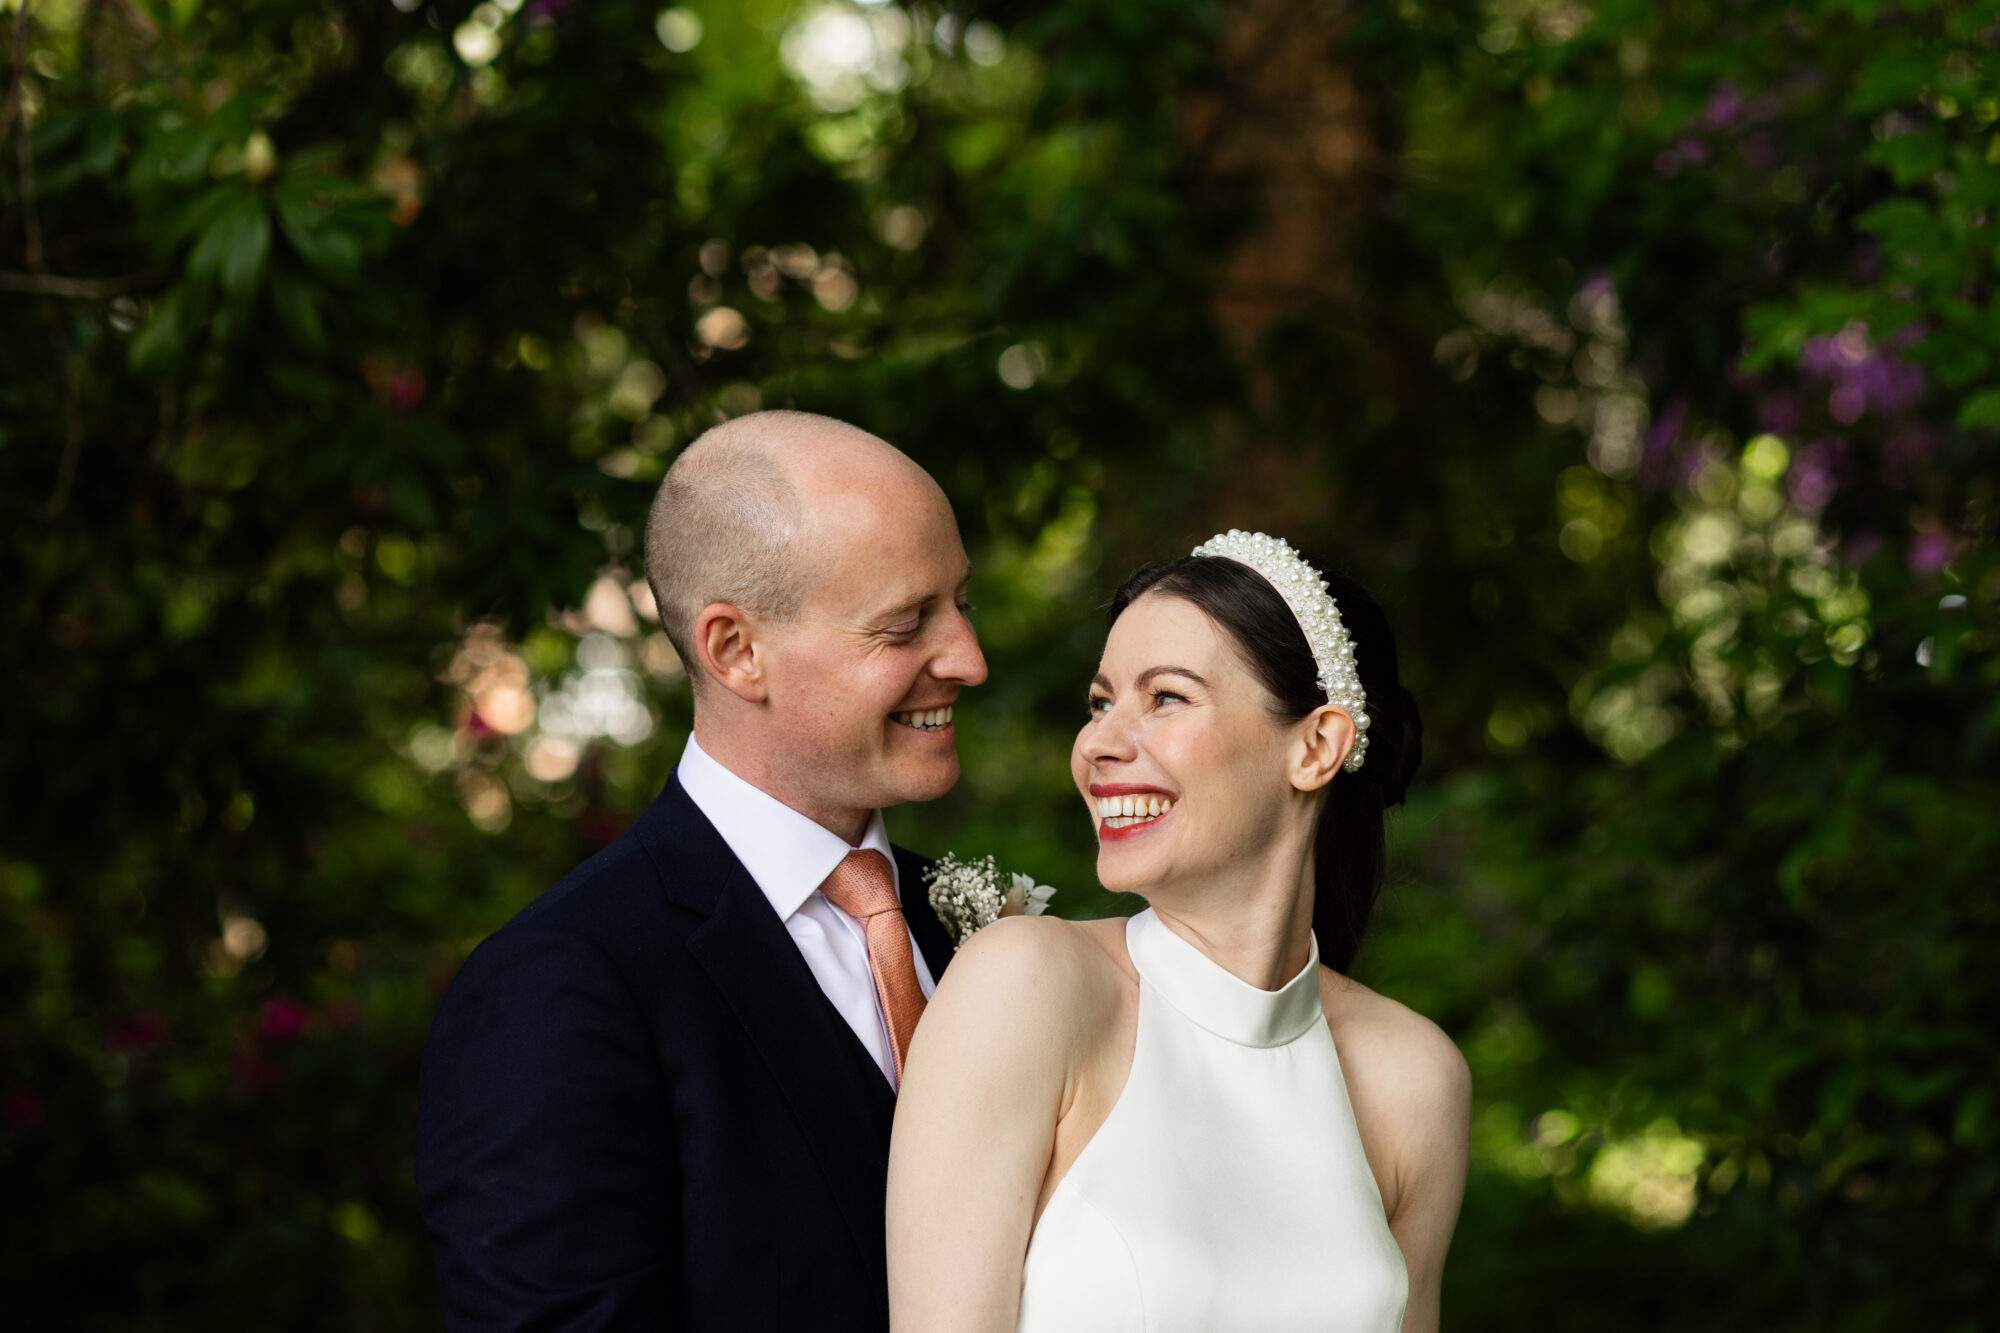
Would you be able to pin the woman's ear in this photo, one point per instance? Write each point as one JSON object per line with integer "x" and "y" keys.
{"x": 1325, "y": 738}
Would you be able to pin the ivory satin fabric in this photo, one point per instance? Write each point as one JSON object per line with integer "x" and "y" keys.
{"x": 1228, "y": 1189}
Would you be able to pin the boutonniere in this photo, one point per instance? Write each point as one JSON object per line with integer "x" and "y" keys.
{"x": 970, "y": 895}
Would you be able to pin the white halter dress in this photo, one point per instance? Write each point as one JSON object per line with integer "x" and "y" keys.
{"x": 1227, "y": 1190}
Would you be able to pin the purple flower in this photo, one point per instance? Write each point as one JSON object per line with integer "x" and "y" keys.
{"x": 1890, "y": 382}
{"x": 1687, "y": 152}
{"x": 1865, "y": 377}
{"x": 1660, "y": 436}
{"x": 1811, "y": 482}
{"x": 1724, "y": 105}
{"x": 1779, "y": 412}
{"x": 1817, "y": 357}
{"x": 1929, "y": 551}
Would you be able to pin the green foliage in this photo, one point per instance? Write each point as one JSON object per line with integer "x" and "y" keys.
{"x": 342, "y": 347}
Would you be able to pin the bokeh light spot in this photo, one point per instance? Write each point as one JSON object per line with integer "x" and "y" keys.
{"x": 678, "y": 29}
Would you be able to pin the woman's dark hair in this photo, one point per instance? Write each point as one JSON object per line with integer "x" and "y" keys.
{"x": 1349, "y": 855}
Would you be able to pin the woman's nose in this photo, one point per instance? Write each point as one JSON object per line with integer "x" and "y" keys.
{"x": 1112, "y": 739}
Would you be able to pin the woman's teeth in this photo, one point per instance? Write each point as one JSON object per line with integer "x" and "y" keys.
{"x": 1125, "y": 811}
{"x": 925, "y": 719}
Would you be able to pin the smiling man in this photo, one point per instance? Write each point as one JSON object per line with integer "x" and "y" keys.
{"x": 660, "y": 1097}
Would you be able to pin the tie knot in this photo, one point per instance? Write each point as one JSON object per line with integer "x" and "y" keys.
{"x": 861, "y": 885}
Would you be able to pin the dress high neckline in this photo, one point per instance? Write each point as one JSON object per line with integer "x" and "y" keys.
{"x": 1214, "y": 998}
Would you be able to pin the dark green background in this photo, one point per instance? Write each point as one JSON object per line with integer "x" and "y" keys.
{"x": 1639, "y": 355}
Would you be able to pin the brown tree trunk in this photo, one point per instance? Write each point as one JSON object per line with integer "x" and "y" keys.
{"x": 1284, "y": 124}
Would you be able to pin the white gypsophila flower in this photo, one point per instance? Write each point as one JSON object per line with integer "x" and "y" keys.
{"x": 971, "y": 895}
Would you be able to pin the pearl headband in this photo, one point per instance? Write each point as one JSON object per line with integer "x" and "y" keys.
{"x": 1305, "y": 593}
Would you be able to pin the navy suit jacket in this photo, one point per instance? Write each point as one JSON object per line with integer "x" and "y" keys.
{"x": 638, "y": 1111}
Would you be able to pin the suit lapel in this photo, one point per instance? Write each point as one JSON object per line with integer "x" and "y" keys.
{"x": 842, "y": 1103}
{"x": 925, "y": 927}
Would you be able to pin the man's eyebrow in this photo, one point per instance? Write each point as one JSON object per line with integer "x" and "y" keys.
{"x": 920, "y": 600}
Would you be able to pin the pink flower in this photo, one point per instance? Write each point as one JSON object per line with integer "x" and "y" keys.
{"x": 22, "y": 1107}
{"x": 136, "y": 1035}
{"x": 282, "y": 1017}
{"x": 252, "y": 1070}
{"x": 406, "y": 390}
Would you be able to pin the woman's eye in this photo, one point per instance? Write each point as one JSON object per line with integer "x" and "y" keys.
{"x": 1164, "y": 696}
{"x": 1100, "y": 703}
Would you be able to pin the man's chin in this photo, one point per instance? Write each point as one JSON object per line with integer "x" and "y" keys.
{"x": 925, "y": 781}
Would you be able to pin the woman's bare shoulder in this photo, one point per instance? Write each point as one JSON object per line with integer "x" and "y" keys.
{"x": 1395, "y": 1059}
{"x": 1043, "y": 968}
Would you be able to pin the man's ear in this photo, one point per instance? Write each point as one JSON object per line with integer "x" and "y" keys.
{"x": 726, "y": 644}
{"x": 1326, "y": 737}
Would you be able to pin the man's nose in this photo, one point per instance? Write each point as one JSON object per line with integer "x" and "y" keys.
{"x": 959, "y": 659}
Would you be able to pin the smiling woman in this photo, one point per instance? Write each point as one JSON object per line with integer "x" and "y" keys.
{"x": 1195, "y": 1081}
{"x": 1237, "y": 611}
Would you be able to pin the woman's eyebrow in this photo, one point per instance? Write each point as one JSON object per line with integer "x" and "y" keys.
{"x": 1146, "y": 677}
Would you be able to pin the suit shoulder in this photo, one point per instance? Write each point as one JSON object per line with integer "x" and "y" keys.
{"x": 603, "y": 883}
{"x": 610, "y": 911}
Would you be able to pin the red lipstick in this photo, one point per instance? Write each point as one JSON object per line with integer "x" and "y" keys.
{"x": 1105, "y": 832}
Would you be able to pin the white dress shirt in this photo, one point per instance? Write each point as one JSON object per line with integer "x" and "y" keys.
{"x": 790, "y": 856}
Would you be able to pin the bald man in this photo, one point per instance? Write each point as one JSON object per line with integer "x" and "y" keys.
{"x": 660, "y": 1097}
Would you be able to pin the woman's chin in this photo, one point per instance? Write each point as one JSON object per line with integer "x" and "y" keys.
{"x": 1124, "y": 868}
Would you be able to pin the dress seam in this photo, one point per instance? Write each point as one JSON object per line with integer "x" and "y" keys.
{"x": 1131, "y": 1259}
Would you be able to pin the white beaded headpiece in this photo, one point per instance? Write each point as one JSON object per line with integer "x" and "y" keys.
{"x": 1305, "y": 592}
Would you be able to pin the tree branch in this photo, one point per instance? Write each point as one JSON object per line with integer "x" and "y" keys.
{"x": 79, "y": 289}
{"x": 31, "y": 227}
{"x": 12, "y": 110}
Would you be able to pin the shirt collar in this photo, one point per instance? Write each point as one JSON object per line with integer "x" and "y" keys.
{"x": 788, "y": 854}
